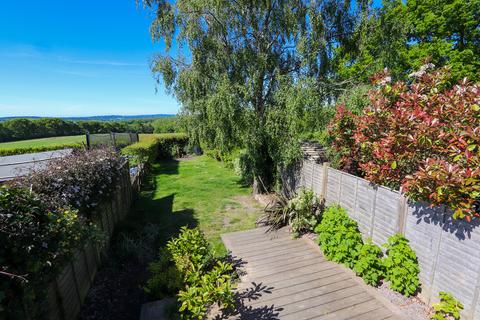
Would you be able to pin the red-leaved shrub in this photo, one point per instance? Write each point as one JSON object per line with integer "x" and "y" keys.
{"x": 423, "y": 137}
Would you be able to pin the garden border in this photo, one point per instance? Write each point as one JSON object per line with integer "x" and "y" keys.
{"x": 448, "y": 250}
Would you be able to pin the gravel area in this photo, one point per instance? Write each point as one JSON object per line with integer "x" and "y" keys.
{"x": 413, "y": 308}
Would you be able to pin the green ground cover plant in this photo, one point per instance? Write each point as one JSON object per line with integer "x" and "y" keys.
{"x": 369, "y": 264}
{"x": 401, "y": 266}
{"x": 448, "y": 308}
{"x": 338, "y": 236}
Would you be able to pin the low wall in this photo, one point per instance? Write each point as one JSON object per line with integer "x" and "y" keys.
{"x": 67, "y": 293}
{"x": 448, "y": 250}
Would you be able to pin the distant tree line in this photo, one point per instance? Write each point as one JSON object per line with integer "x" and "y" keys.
{"x": 24, "y": 129}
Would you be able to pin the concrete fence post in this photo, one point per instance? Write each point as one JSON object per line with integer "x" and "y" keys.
{"x": 313, "y": 174}
{"x": 402, "y": 213}
{"x": 323, "y": 194}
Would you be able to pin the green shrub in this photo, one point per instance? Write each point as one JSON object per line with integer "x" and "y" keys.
{"x": 166, "y": 279}
{"x": 369, "y": 264}
{"x": 172, "y": 145}
{"x": 186, "y": 265}
{"x": 338, "y": 236}
{"x": 447, "y": 308}
{"x": 35, "y": 243}
{"x": 159, "y": 146}
{"x": 304, "y": 211}
{"x": 144, "y": 151}
{"x": 214, "y": 286}
{"x": 401, "y": 266}
{"x": 190, "y": 251}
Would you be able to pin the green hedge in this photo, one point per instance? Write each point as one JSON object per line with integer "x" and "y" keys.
{"x": 11, "y": 152}
{"x": 153, "y": 147}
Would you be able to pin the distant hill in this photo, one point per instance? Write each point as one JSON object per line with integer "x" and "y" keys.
{"x": 99, "y": 118}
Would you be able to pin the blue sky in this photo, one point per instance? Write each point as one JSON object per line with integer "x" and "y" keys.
{"x": 77, "y": 58}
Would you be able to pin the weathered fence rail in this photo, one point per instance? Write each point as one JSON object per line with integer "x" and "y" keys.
{"x": 67, "y": 293}
{"x": 448, "y": 250}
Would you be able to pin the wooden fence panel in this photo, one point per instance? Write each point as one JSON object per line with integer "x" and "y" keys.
{"x": 52, "y": 301}
{"x": 82, "y": 274}
{"x": 67, "y": 293}
{"x": 67, "y": 290}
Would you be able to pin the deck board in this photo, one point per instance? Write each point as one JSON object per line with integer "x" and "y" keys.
{"x": 287, "y": 278}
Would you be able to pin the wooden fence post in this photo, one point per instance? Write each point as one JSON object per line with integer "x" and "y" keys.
{"x": 87, "y": 136}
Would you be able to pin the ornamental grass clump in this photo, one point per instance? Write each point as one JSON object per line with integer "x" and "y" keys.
{"x": 301, "y": 213}
{"x": 80, "y": 180}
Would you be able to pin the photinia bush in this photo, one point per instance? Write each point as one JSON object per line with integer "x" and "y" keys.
{"x": 422, "y": 137}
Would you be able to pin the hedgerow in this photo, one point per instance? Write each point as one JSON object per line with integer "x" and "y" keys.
{"x": 154, "y": 147}
{"x": 423, "y": 137}
{"x": 16, "y": 151}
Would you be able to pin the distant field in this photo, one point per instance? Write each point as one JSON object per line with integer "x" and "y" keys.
{"x": 45, "y": 142}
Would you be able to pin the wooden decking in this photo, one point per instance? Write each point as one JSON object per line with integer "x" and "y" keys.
{"x": 290, "y": 279}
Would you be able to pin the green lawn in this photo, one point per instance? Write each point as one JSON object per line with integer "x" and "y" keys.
{"x": 197, "y": 192}
{"x": 45, "y": 142}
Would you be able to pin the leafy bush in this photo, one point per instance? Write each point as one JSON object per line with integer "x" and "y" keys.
{"x": 301, "y": 213}
{"x": 35, "y": 242}
{"x": 166, "y": 279}
{"x": 10, "y": 152}
{"x": 304, "y": 211}
{"x": 144, "y": 151}
{"x": 369, "y": 264}
{"x": 401, "y": 266}
{"x": 338, "y": 236}
{"x": 80, "y": 180}
{"x": 187, "y": 264}
{"x": 172, "y": 145}
{"x": 421, "y": 136}
{"x": 448, "y": 307}
{"x": 153, "y": 147}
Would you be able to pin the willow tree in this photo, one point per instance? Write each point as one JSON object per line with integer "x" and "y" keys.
{"x": 225, "y": 60}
